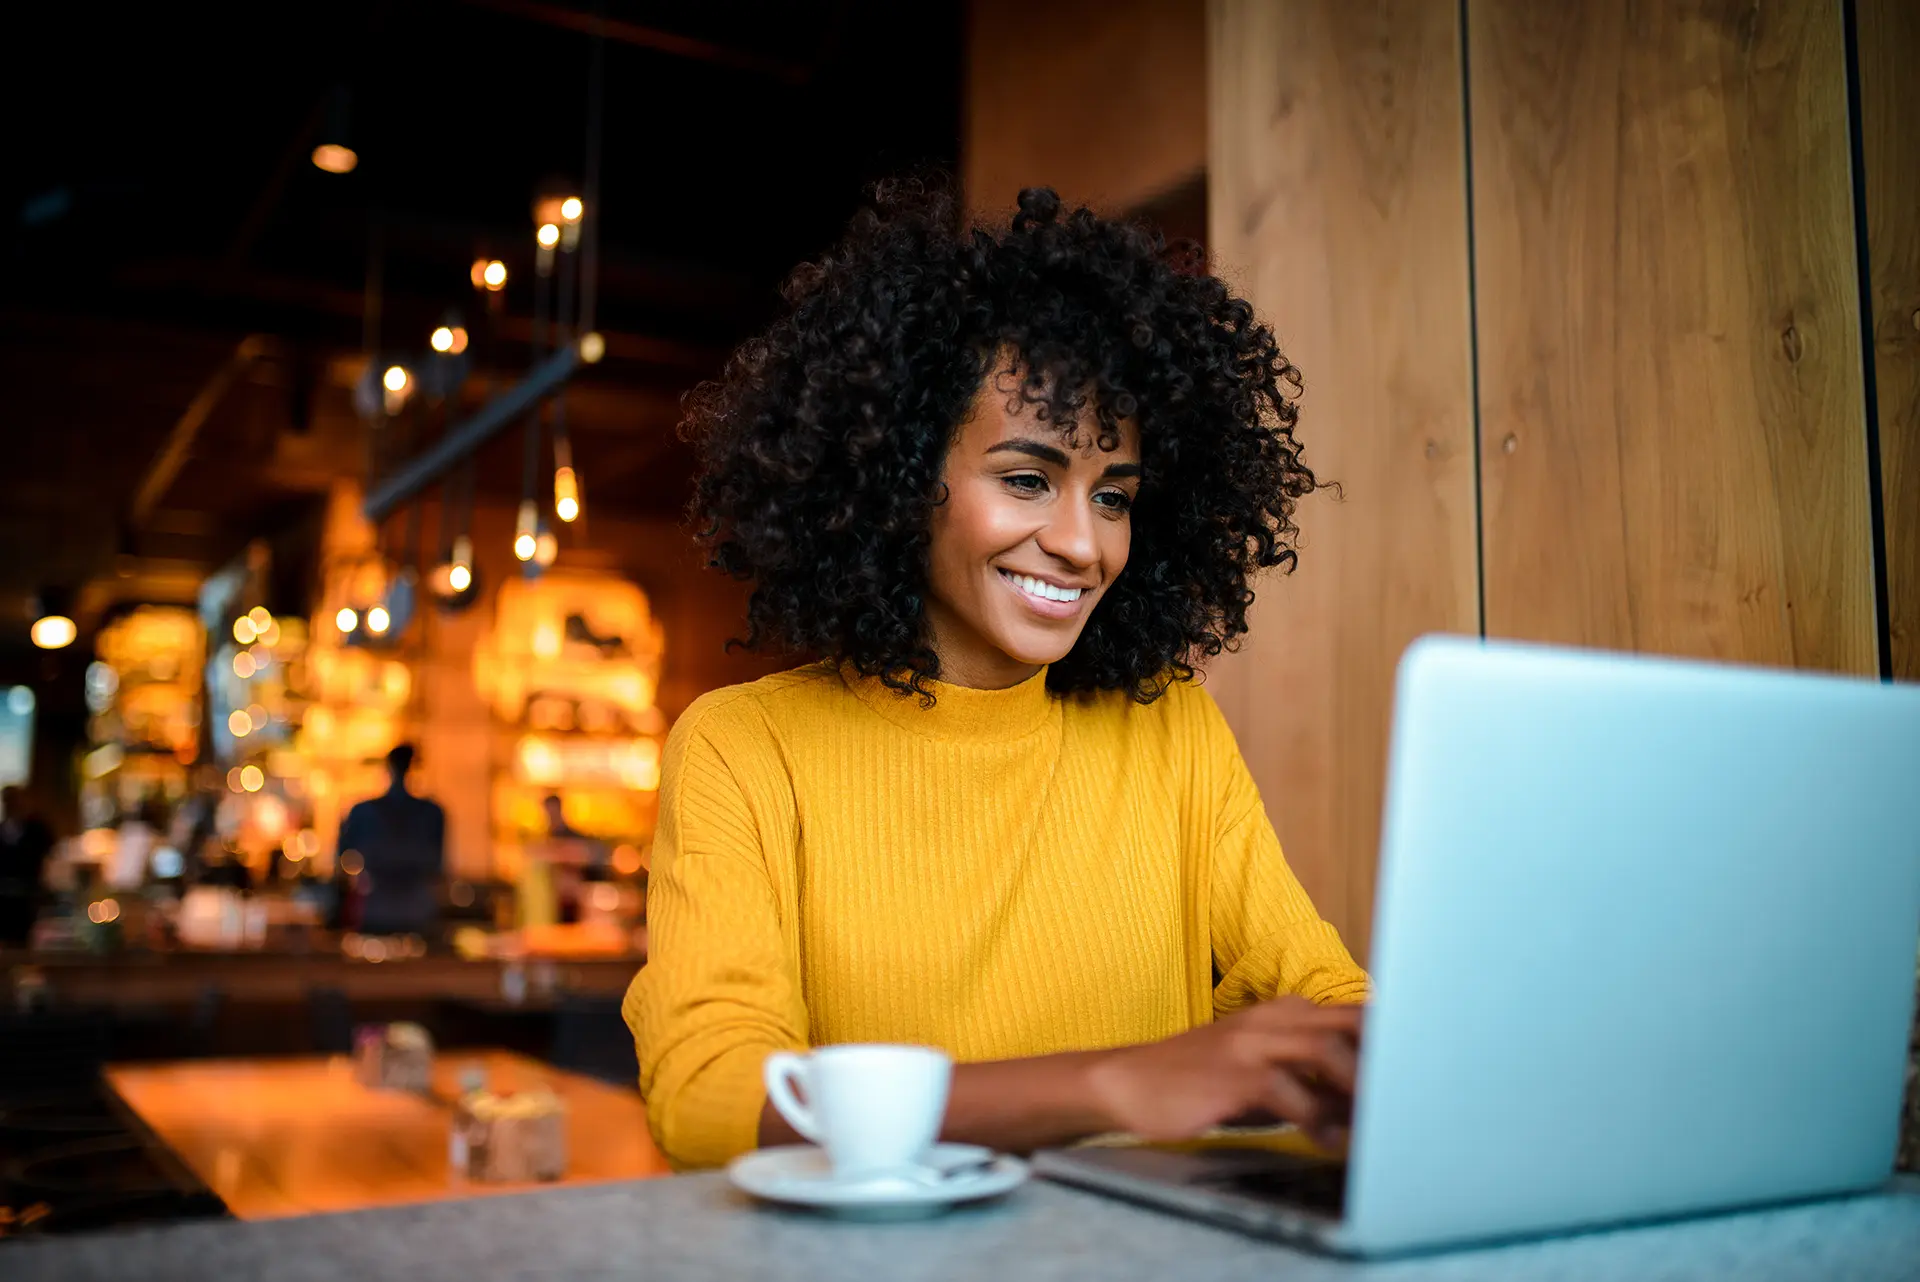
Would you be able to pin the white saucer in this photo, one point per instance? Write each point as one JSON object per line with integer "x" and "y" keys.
{"x": 799, "y": 1175}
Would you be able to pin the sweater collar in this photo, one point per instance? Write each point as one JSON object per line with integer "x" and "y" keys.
{"x": 961, "y": 712}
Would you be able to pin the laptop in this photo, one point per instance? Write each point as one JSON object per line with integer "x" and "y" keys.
{"x": 1644, "y": 947}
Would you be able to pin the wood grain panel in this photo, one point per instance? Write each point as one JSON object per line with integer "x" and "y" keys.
{"x": 1103, "y": 100}
{"x": 1337, "y": 205}
{"x": 299, "y": 1136}
{"x": 1671, "y": 391}
{"x": 1889, "y": 52}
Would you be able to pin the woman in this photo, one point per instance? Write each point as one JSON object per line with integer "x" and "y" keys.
{"x": 1009, "y": 487}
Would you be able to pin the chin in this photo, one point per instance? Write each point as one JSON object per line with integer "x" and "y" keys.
{"x": 1024, "y": 646}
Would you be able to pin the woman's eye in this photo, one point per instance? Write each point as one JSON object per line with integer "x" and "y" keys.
{"x": 1117, "y": 500}
{"x": 1027, "y": 482}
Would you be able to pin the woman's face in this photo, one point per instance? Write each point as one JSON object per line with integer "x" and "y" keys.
{"x": 1031, "y": 534}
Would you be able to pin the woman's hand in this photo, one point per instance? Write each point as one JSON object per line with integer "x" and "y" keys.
{"x": 1286, "y": 1058}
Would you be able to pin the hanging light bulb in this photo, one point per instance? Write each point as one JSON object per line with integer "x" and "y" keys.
{"x": 571, "y": 208}
{"x": 524, "y": 531}
{"x": 546, "y": 548}
{"x": 54, "y": 628}
{"x": 593, "y": 346}
{"x": 334, "y": 158}
{"x": 442, "y": 340}
{"x": 460, "y": 573}
{"x": 53, "y": 632}
{"x": 566, "y": 494}
{"x": 378, "y": 620}
{"x": 346, "y": 620}
{"x": 489, "y": 274}
{"x": 333, "y": 155}
{"x": 548, "y": 235}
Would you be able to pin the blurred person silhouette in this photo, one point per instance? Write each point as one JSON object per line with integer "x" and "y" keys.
{"x": 25, "y": 842}
{"x": 138, "y": 836}
{"x": 401, "y": 843}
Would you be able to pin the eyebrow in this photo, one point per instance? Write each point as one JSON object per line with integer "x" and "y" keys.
{"x": 1056, "y": 456}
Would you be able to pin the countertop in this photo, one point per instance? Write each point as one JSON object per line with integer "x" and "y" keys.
{"x": 697, "y": 1227}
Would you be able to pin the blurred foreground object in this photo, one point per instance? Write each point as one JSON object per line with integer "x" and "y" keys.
{"x": 394, "y": 1057}
{"x": 510, "y": 1138}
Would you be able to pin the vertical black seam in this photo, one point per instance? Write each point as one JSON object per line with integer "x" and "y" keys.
{"x": 1863, "y": 263}
{"x": 1473, "y": 334}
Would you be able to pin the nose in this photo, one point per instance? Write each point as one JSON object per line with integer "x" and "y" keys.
{"x": 1069, "y": 535}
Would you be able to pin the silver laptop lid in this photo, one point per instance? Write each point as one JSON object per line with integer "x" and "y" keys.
{"x": 1644, "y": 942}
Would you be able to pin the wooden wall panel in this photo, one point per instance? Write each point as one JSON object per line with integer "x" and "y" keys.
{"x": 1103, "y": 100}
{"x": 1671, "y": 398}
{"x": 1336, "y": 195}
{"x": 1889, "y": 45}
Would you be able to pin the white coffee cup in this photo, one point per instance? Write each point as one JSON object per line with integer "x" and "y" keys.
{"x": 873, "y": 1108}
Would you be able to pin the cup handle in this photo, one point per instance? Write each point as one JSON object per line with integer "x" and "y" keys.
{"x": 782, "y": 1070}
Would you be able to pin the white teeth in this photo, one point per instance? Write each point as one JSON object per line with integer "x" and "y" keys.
{"x": 1045, "y": 591}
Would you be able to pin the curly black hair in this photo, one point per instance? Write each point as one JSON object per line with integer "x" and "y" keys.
{"x": 823, "y": 444}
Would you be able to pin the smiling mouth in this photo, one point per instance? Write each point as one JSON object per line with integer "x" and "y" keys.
{"x": 1046, "y": 596}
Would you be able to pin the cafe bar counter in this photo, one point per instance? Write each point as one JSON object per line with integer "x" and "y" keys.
{"x": 138, "y": 979}
{"x": 698, "y": 1227}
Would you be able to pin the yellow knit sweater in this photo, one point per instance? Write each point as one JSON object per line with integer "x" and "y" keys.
{"x": 1007, "y": 873}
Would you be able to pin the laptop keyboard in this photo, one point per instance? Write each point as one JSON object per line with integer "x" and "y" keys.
{"x": 1316, "y": 1184}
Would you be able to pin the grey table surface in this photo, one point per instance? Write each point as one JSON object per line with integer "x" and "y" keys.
{"x": 698, "y": 1227}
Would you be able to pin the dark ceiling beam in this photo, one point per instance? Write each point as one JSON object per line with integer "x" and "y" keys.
{"x": 460, "y": 441}
{"x": 173, "y": 453}
{"x": 260, "y": 213}
{"x": 332, "y": 300}
{"x": 644, "y": 37}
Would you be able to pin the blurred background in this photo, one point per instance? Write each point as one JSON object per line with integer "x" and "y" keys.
{"x": 341, "y": 349}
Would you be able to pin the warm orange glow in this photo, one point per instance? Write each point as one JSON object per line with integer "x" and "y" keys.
{"x": 239, "y": 724}
{"x": 243, "y": 665}
{"x": 593, "y": 346}
{"x": 346, "y": 620}
{"x": 233, "y": 780}
{"x": 395, "y": 379}
{"x": 442, "y": 339}
{"x": 459, "y": 341}
{"x": 571, "y": 209}
{"x": 626, "y": 860}
{"x": 548, "y": 235}
{"x": 102, "y": 911}
{"x": 378, "y": 620}
{"x": 566, "y": 494}
{"x": 54, "y": 632}
{"x": 270, "y": 816}
{"x": 244, "y": 630}
{"x": 252, "y": 778}
{"x": 540, "y": 762}
{"x": 494, "y": 275}
{"x": 334, "y": 159}
{"x": 523, "y": 547}
{"x": 459, "y": 578}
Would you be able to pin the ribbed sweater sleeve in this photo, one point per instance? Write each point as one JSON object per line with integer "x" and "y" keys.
{"x": 721, "y": 988}
{"x": 1268, "y": 939}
